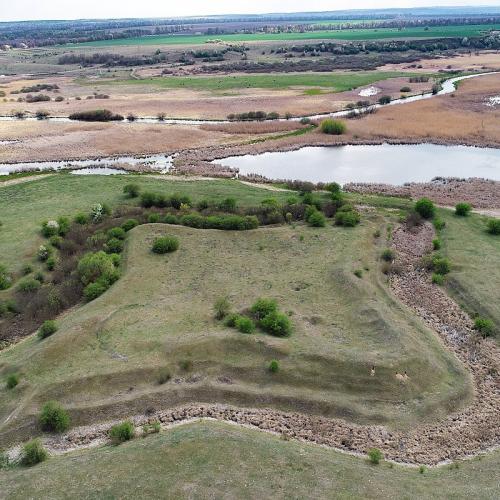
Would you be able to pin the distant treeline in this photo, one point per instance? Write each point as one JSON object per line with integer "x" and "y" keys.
{"x": 38, "y": 34}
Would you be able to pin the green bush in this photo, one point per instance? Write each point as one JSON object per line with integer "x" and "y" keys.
{"x": 81, "y": 218}
{"x": 164, "y": 376}
{"x": 50, "y": 228}
{"x": 438, "y": 279}
{"x": 316, "y": 219}
{"x": 131, "y": 190}
{"x": 5, "y": 278}
{"x": 129, "y": 224}
{"x": 120, "y": 433}
{"x": 276, "y": 324}
{"x": 97, "y": 266}
{"x": 54, "y": 418}
{"x": 493, "y": 226}
{"x": 43, "y": 253}
{"x": 385, "y": 99}
{"x": 262, "y": 307}
{"x": 51, "y": 263}
{"x": 441, "y": 265}
{"x": 153, "y": 218}
{"x": 47, "y": 329}
{"x": 186, "y": 365}
{"x": 28, "y": 285}
{"x": 375, "y": 456}
{"x": 64, "y": 226}
{"x": 33, "y": 453}
{"x": 484, "y": 326}
{"x": 436, "y": 244}
{"x": 387, "y": 255}
{"x": 333, "y": 187}
{"x": 56, "y": 241}
{"x": 114, "y": 245}
{"x": 148, "y": 199}
{"x": 12, "y": 380}
{"x": 222, "y": 307}
{"x": 462, "y": 209}
{"x": 171, "y": 219}
{"x": 165, "y": 244}
{"x": 231, "y": 320}
{"x": 227, "y": 205}
{"x": 94, "y": 290}
{"x": 176, "y": 200}
{"x": 27, "y": 269}
{"x": 117, "y": 232}
{"x": 274, "y": 366}
{"x": 425, "y": 208}
{"x": 333, "y": 127}
{"x": 244, "y": 324}
{"x": 347, "y": 217}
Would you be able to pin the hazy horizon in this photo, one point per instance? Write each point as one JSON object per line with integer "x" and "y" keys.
{"x": 34, "y": 10}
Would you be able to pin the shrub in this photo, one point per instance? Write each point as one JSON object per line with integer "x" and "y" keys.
{"x": 114, "y": 245}
{"x": 131, "y": 190}
{"x": 129, "y": 224}
{"x": 153, "y": 218}
{"x": 33, "y": 453}
{"x": 438, "y": 279}
{"x": 47, "y": 329}
{"x": 387, "y": 255}
{"x": 117, "y": 232}
{"x": 186, "y": 365}
{"x": 56, "y": 241}
{"x": 5, "y": 278}
{"x": 347, "y": 218}
{"x": 165, "y": 244}
{"x": 231, "y": 320}
{"x": 421, "y": 469}
{"x": 27, "y": 269}
{"x": 316, "y": 219}
{"x": 262, "y": 307}
{"x": 43, "y": 253}
{"x": 98, "y": 115}
{"x": 358, "y": 273}
{"x": 244, "y": 324}
{"x": 98, "y": 211}
{"x": 148, "y": 199}
{"x": 276, "y": 324}
{"x": 333, "y": 127}
{"x": 375, "y": 456}
{"x": 94, "y": 290}
{"x": 64, "y": 226}
{"x": 436, "y": 244}
{"x": 494, "y": 226}
{"x": 222, "y": 307}
{"x": 51, "y": 263}
{"x": 405, "y": 89}
{"x": 333, "y": 187}
{"x": 96, "y": 266}
{"x": 171, "y": 219}
{"x": 425, "y": 208}
{"x": 385, "y": 99}
{"x": 81, "y": 218}
{"x": 28, "y": 285}
{"x": 12, "y": 380}
{"x": 176, "y": 200}
{"x": 54, "y": 418}
{"x": 274, "y": 366}
{"x": 153, "y": 428}
{"x": 120, "y": 433}
{"x": 440, "y": 265}
{"x": 484, "y": 326}
{"x": 462, "y": 209}
{"x": 50, "y": 228}
{"x": 227, "y": 205}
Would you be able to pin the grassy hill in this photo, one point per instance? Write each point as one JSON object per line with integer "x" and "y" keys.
{"x": 214, "y": 460}
{"x": 105, "y": 360}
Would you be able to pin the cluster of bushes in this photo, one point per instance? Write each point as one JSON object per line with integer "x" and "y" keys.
{"x": 37, "y": 88}
{"x": 385, "y": 99}
{"x": 5, "y": 278}
{"x": 222, "y": 222}
{"x": 253, "y": 116}
{"x": 97, "y": 272}
{"x": 332, "y": 127}
{"x": 264, "y": 313}
{"x": 98, "y": 115}
{"x": 37, "y": 98}
{"x": 149, "y": 199}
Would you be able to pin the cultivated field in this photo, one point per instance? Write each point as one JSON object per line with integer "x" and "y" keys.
{"x": 351, "y": 34}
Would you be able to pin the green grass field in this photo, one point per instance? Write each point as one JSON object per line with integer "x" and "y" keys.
{"x": 337, "y": 82}
{"x": 105, "y": 359}
{"x": 475, "y": 255}
{"x": 351, "y": 34}
{"x": 215, "y": 460}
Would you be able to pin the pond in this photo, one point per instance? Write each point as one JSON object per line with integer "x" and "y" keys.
{"x": 391, "y": 164}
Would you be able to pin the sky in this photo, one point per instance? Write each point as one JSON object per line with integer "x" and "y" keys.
{"x": 18, "y": 10}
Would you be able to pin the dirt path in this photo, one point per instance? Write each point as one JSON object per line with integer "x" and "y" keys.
{"x": 473, "y": 430}
{"x": 22, "y": 180}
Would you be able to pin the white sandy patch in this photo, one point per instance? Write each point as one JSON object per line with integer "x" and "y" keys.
{"x": 493, "y": 101}
{"x": 368, "y": 92}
